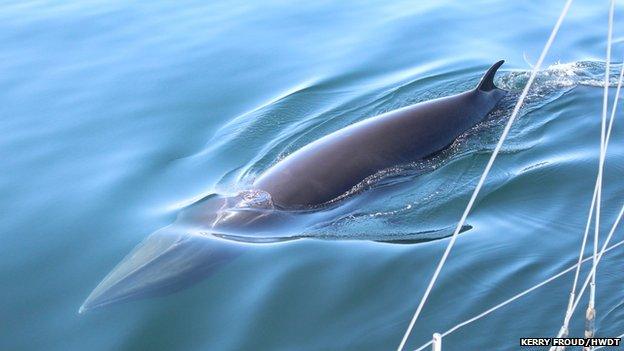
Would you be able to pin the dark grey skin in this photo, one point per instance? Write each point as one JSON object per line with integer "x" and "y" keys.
{"x": 287, "y": 194}
{"x": 331, "y": 166}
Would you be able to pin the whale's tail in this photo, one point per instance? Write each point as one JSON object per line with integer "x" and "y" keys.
{"x": 487, "y": 81}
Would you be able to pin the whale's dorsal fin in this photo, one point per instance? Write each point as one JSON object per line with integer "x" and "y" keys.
{"x": 487, "y": 82}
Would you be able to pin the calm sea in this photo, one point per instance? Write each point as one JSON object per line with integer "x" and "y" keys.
{"x": 115, "y": 115}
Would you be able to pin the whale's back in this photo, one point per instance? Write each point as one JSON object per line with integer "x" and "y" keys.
{"x": 329, "y": 167}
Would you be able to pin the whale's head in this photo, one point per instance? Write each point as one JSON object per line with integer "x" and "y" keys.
{"x": 169, "y": 260}
{"x": 190, "y": 249}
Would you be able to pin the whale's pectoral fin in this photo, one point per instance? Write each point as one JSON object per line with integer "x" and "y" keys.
{"x": 425, "y": 236}
{"x": 487, "y": 81}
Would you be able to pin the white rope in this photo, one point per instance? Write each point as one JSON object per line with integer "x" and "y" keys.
{"x": 486, "y": 171}
{"x": 519, "y": 295}
{"x": 593, "y": 270}
{"x": 604, "y": 144}
{"x": 591, "y": 207}
{"x": 593, "y": 202}
{"x": 592, "y": 295}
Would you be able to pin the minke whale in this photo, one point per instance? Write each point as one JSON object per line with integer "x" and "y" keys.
{"x": 289, "y": 194}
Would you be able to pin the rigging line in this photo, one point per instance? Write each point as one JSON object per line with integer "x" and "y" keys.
{"x": 592, "y": 295}
{"x": 593, "y": 201}
{"x": 593, "y": 270}
{"x": 519, "y": 295}
{"x": 486, "y": 171}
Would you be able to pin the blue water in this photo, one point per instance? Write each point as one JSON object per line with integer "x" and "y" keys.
{"x": 118, "y": 115}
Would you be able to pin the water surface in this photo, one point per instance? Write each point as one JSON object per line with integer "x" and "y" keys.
{"x": 117, "y": 115}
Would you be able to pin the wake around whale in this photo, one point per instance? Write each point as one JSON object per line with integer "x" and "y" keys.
{"x": 289, "y": 193}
